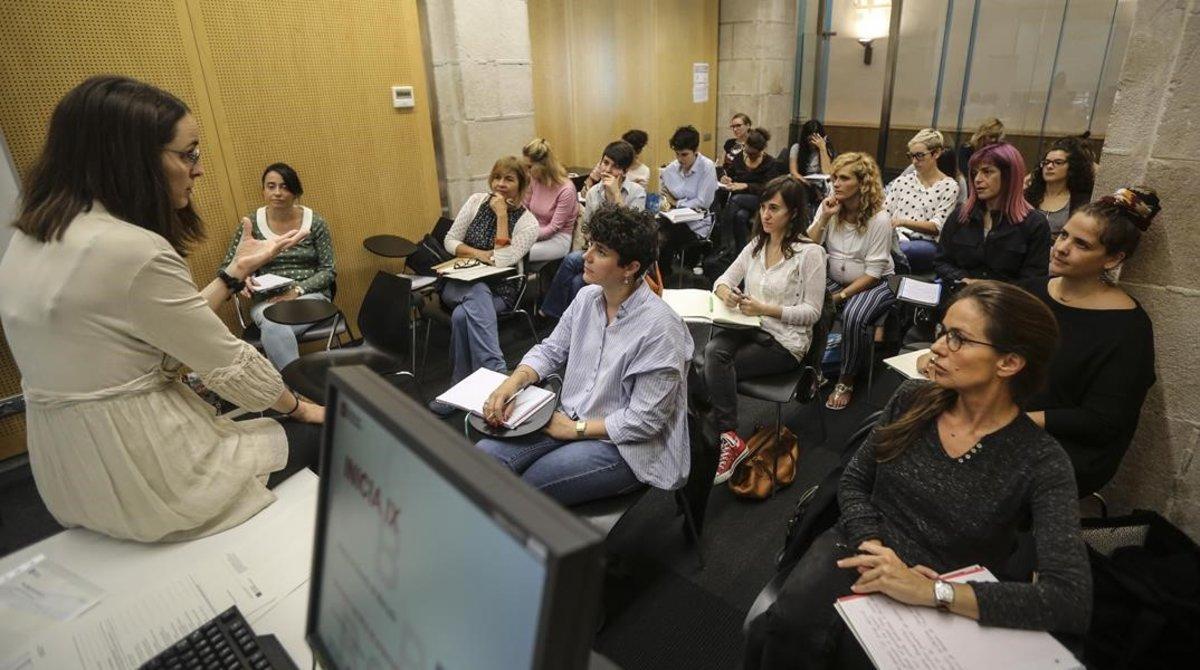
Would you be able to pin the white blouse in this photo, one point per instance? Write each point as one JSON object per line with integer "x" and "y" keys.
{"x": 854, "y": 252}
{"x": 907, "y": 198}
{"x": 797, "y": 284}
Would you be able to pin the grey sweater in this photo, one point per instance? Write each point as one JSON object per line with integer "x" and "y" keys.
{"x": 945, "y": 513}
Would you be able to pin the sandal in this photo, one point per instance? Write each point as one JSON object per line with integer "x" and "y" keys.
{"x": 840, "y": 391}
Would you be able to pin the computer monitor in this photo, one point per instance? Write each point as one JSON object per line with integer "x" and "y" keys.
{"x": 431, "y": 555}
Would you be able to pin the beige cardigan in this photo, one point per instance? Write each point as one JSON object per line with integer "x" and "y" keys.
{"x": 98, "y": 323}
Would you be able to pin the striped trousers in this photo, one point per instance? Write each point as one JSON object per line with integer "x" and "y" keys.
{"x": 859, "y": 313}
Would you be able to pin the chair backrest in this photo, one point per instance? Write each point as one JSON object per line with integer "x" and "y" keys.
{"x": 385, "y": 318}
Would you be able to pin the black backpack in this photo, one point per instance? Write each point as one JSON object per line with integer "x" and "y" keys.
{"x": 431, "y": 250}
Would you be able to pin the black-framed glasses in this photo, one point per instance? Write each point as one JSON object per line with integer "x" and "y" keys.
{"x": 466, "y": 263}
{"x": 1056, "y": 162}
{"x": 192, "y": 156}
{"x": 955, "y": 339}
{"x": 916, "y": 155}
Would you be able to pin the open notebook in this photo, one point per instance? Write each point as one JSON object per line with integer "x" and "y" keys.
{"x": 896, "y": 635}
{"x": 470, "y": 394}
{"x": 468, "y": 269}
{"x": 697, "y": 304}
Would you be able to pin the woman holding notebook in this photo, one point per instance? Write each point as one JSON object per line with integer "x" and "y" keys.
{"x": 622, "y": 418}
{"x": 309, "y": 264}
{"x": 783, "y": 274}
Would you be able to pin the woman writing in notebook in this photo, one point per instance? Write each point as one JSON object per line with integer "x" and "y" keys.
{"x": 622, "y": 420}
{"x": 309, "y": 263}
{"x": 953, "y": 471}
{"x": 783, "y": 274}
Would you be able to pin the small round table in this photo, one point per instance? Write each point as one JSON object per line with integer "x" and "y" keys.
{"x": 389, "y": 246}
{"x": 539, "y": 420}
{"x": 300, "y": 312}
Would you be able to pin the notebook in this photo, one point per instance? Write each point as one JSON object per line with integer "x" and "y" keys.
{"x": 699, "y": 305}
{"x": 919, "y": 292}
{"x": 470, "y": 394}
{"x": 896, "y": 635}
{"x": 267, "y": 282}
{"x": 682, "y": 215}
{"x": 468, "y": 269}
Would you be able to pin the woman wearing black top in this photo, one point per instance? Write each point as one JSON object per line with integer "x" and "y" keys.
{"x": 747, "y": 174}
{"x": 996, "y": 234}
{"x": 1105, "y": 365}
{"x": 1063, "y": 181}
{"x": 950, "y": 475}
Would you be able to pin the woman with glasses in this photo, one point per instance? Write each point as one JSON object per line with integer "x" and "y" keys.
{"x": 853, "y": 226}
{"x": 740, "y": 126}
{"x": 493, "y": 228}
{"x": 744, "y": 179}
{"x": 996, "y": 234}
{"x": 952, "y": 473}
{"x": 920, "y": 200}
{"x": 107, "y": 315}
{"x": 309, "y": 264}
{"x": 1105, "y": 366}
{"x": 1064, "y": 182}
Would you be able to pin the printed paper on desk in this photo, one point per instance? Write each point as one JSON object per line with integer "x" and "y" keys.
{"x": 37, "y": 594}
{"x": 470, "y": 394}
{"x": 895, "y": 636}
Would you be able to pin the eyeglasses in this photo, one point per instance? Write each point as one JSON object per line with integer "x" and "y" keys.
{"x": 466, "y": 263}
{"x": 917, "y": 155}
{"x": 191, "y": 156}
{"x": 735, "y": 126}
{"x": 1056, "y": 162}
{"x": 955, "y": 339}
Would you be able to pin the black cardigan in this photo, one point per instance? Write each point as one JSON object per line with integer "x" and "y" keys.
{"x": 1008, "y": 253}
{"x": 1097, "y": 383}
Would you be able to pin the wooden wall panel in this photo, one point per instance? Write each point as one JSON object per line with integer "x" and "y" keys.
{"x": 603, "y": 68}
{"x": 307, "y": 84}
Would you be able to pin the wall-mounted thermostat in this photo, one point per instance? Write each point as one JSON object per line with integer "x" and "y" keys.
{"x": 402, "y": 96}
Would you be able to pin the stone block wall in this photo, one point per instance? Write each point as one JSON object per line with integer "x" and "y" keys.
{"x": 756, "y": 60}
{"x": 483, "y": 81}
{"x": 1153, "y": 138}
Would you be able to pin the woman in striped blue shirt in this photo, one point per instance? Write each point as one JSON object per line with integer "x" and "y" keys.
{"x": 622, "y": 420}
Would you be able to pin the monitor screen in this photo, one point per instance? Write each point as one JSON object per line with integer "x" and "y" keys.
{"x": 412, "y": 571}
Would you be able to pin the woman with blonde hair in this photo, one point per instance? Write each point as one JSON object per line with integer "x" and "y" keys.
{"x": 919, "y": 200}
{"x": 857, "y": 234}
{"x": 551, "y": 199}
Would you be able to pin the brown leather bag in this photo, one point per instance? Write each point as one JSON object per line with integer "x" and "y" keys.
{"x": 771, "y": 464}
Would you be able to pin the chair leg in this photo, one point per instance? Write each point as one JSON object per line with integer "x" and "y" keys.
{"x": 425, "y": 351}
{"x": 778, "y": 438}
{"x": 467, "y": 425}
{"x": 532, "y": 328}
{"x": 690, "y": 525}
{"x": 871, "y": 363}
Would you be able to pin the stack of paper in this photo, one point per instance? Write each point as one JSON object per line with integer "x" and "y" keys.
{"x": 467, "y": 269}
{"x": 418, "y": 281}
{"x": 472, "y": 392}
{"x": 265, "y": 283}
{"x": 896, "y": 635}
{"x": 682, "y": 215}
{"x": 695, "y": 304}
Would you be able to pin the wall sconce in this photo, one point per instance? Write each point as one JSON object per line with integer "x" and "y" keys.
{"x": 867, "y": 49}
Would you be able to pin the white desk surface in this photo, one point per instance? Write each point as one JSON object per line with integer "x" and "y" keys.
{"x": 280, "y": 538}
{"x": 906, "y": 364}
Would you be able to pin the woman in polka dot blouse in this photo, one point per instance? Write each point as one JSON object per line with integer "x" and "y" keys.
{"x": 309, "y": 263}
{"x": 919, "y": 200}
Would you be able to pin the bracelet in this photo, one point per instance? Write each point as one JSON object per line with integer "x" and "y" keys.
{"x": 297, "y": 397}
{"x": 232, "y": 283}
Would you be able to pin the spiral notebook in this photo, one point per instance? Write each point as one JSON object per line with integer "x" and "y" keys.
{"x": 470, "y": 394}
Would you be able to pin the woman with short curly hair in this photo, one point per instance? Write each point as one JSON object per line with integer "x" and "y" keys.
{"x": 622, "y": 419}
{"x": 857, "y": 234}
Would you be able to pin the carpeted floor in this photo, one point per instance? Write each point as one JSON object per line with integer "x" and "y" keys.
{"x": 673, "y": 614}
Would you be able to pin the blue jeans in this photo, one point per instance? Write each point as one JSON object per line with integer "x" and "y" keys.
{"x": 570, "y": 472}
{"x": 474, "y": 329}
{"x": 920, "y": 254}
{"x": 280, "y": 342}
{"x": 566, "y": 283}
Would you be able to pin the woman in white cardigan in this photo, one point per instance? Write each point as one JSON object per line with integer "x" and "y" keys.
{"x": 108, "y": 312}
{"x": 493, "y": 228}
{"x": 783, "y": 274}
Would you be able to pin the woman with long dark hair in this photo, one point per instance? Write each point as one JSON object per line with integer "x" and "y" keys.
{"x": 744, "y": 179}
{"x": 108, "y": 313}
{"x": 1101, "y": 374}
{"x": 952, "y": 472}
{"x": 1063, "y": 183}
{"x": 779, "y": 276}
{"x": 813, "y": 154}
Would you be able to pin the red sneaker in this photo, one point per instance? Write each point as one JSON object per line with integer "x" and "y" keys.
{"x": 733, "y": 452}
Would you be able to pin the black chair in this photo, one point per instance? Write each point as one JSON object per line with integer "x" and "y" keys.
{"x": 387, "y": 341}
{"x": 330, "y": 330}
{"x": 802, "y": 384}
{"x": 691, "y": 501}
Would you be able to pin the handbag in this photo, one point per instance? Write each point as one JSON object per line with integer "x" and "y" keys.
{"x": 771, "y": 464}
{"x": 431, "y": 250}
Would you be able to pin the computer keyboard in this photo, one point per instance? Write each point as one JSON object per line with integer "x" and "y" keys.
{"x": 225, "y": 643}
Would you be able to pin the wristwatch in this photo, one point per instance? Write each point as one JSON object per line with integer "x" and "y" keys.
{"x": 580, "y": 428}
{"x": 943, "y": 594}
{"x": 842, "y": 296}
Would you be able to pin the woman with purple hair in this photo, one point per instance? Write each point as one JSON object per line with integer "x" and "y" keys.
{"x": 996, "y": 233}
